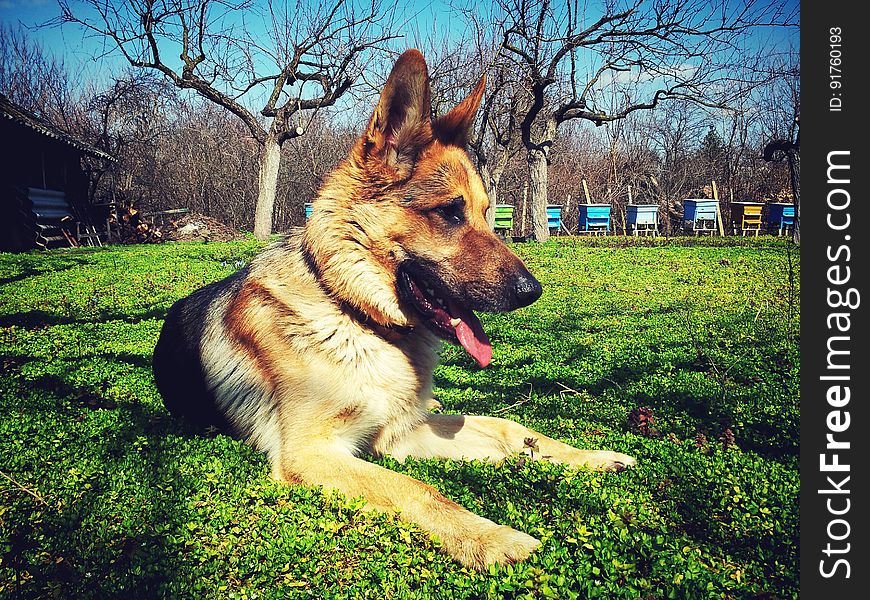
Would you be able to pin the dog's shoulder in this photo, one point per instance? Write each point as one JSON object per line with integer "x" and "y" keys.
{"x": 283, "y": 261}
{"x": 281, "y": 292}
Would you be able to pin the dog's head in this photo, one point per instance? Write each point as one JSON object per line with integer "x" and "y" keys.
{"x": 399, "y": 229}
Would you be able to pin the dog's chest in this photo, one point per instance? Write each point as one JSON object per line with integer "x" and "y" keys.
{"x": 384, "y": 385}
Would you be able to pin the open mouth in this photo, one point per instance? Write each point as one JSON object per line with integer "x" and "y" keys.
{"x": 445, "y": 316}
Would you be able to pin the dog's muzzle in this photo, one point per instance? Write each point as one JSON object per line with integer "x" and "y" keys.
{"x": 526, "y": 289}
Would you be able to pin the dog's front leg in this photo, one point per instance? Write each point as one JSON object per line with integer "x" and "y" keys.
{"x": 493, "y": 439}
{"x": 470, "y": 539}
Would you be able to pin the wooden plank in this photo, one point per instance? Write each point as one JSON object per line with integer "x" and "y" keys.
{"x": 72, "y": 241}
{"x": 718, "y": 210}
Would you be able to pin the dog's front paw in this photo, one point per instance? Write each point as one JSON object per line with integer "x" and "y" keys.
{"x": 495, "y": 544}
{"x": 603, "y": 460}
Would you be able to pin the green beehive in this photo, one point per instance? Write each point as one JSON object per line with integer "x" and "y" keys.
{"x": 504, "y": 216}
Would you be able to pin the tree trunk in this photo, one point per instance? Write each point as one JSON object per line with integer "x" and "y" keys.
{"x": 525, "y": 208}
{"x": 794, "y": 163}
{"x": 537, "y": 159}
{"x": 493, "y": 202}
{"x": 270, "y": 161}
{"x": 495, "y": 180}
{"x": 792, "y": 155}
{"x": 491, "y": 192}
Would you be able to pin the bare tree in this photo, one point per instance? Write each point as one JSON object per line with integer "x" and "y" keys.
{"x": 672, "y": 131}
{"x": 125, "y": 120}
{"x": 571, "y": 55}
{"x": 457, "y": 66}
{"x": 494, "y": 139}
{"x": 632, "y": 166}
{"x": 34, "y": 79}
{"x": 579, "y": 154}
{"x": 287, "y": 59}
{"x": 782, "y": 123}
{"x": 493, "y": 142}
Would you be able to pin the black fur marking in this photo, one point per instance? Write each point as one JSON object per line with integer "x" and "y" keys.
{"x": 177, "y": 363}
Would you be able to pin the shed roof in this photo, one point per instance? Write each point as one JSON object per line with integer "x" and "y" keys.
{"x": 20, "y": 115}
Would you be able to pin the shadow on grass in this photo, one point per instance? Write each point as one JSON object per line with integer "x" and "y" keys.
{"x": 690, "y": 402}
{"x": 110, "y": 516}
{"x": 53, "y": 264}
{"x": 32, "y": 319}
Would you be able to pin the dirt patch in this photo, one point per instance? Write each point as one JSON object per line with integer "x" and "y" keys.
{"x": 195, "y": 227}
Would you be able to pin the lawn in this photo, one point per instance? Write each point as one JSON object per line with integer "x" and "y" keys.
{"x": 682, "y": 353}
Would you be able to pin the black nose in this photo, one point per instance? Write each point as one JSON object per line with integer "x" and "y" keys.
{"x": 527, "y": 289}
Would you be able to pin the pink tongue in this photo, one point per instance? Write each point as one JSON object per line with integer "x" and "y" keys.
{"x": 471, "y": 334}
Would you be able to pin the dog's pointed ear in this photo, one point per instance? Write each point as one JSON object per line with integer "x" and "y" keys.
{"x": 454, "y": 128}
{"x": 401, "y": 124}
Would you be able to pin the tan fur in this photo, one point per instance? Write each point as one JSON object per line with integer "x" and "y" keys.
{"x": 330, "y": 362}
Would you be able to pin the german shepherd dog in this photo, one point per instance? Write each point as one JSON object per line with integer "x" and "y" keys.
{"x": 322, "y": 348}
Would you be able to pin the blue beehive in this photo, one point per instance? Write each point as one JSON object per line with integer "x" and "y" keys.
{"x": 642, "y": 218}
{"x": 700, "y": 214}
{"x": 780, "y": 216}
{"x": 554, "y": 216}
{"x": 593, "y": 218}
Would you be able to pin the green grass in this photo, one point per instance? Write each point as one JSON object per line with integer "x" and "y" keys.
{"x": 102, "y": 494}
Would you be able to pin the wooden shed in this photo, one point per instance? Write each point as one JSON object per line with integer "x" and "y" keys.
{"x": 43, "y": 186}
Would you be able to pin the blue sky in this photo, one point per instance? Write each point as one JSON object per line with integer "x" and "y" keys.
{"x": 91, "y": 58}
{"x": 69, "y": 42}
{"x": 78, "y": 52}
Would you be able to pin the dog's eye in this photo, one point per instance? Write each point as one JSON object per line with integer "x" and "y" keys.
{"x": 453, "y": 212}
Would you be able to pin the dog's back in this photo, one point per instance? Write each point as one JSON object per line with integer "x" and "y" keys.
{"x": 209, "y": 363}
{"x": 178, "y": 367}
